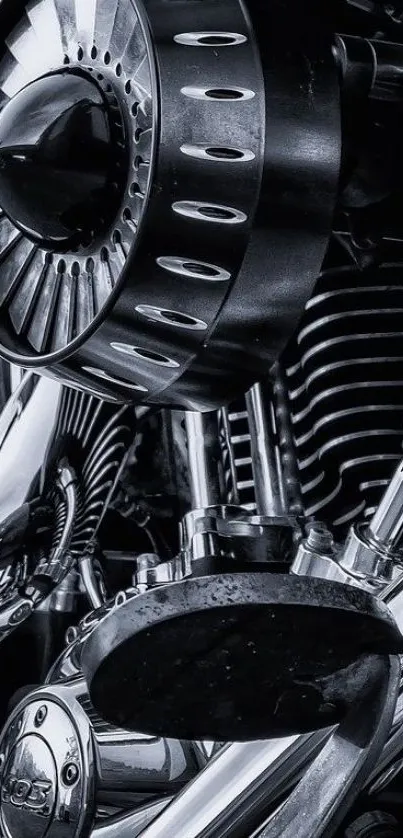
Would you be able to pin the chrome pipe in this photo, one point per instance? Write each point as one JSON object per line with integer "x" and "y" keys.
{"x": 286, "y": 441}
{"x": 271, "y": 499}
{"x": 204, "y": 459}
{"x": 386, "y": 526}
{"x": 235, "y": 791}
{"x": 130, "y": 827}
{"x": 391, "y": 759}
{"x": 28, "y": 426}
{"x": 89, "y": 579}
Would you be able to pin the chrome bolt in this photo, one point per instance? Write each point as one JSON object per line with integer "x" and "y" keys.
{"x": 319, "y": 538}
{"x": 41, "y": 715}
{"x": 70, "y": 774}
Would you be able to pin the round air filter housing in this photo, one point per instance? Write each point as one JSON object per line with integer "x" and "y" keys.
{"x": 168, "y": 174}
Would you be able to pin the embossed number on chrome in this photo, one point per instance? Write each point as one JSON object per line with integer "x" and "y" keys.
{"x": 27, "y": 794}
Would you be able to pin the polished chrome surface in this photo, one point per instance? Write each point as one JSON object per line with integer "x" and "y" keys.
{"x": 150, "y": 571}
{"x": 91, "y": 581}
{"x": 27, "y": 427}
{"x": 237, "y": 455}
{"x": 125, "y": 760}
{"x": 374, "y": 549}
{"x": 390, "y": 762}
{"x": 214, "y": 532}
{"x": 17, "y": 606}
{"x": 271, "y": 499}
{"x": 40, "y": 144}
{"x": 130, "y": 826}
{"x": 204, "y": 459}
{"x": 386, "y": 526}
{"x": 68, "y": 665}
{"x": 104, "y": 49}
{"x": 48, "y": 769}
{"x": 230, "y": 795}
{"x": 41, "y": 427}
{"x": 56, "y": 763}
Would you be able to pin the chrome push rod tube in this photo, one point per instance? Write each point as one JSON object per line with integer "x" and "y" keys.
{"x": 271, "y": 499}
{"x": 204, "y": 458}
{"x": 386, "y": 526}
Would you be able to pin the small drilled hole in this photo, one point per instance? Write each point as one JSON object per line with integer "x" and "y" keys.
{"x": 177, "y": 317}
{"x": 135, "y": 108}
{"x": 224, "y": 153}
{"x": 137, "y": 134}
{"x": 107, "y": 58}
{"x": 90, "y": 265}
{"x": 66, "y": 59}
{"x": 223, "y": 93}
{"x": 217, "y": 40}
{"x": 49, "y": 259}
{"x": 80, "y": 53}
{"x": 134, "y": 189}
{"x": 104, "y": 254}
{"x": 216, "y": 212}
{"x": 100, "y": 77}
{"x": 128, "y": 87}
{"x": 75, "y": 269}
{"x": 206, "y": 270}
{"x": 116, "y": 237}
{"x": 118, "y": 70}
{"x": 127, "y": 216}
{"x": 137, "y": 161}
{"x": 61, "y": 266}
{"x": 94, "y": 52}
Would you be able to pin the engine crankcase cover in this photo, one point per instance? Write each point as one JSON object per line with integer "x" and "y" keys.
{"x": 168, "y": 174}
{"x": 47, "y": 770}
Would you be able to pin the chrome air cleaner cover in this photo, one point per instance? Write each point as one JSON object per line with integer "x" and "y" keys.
{"x": 47, "y": 769}
{"x": 168, "y": 174}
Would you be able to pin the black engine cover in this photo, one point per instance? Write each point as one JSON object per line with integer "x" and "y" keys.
{"x": 225, "y": 125}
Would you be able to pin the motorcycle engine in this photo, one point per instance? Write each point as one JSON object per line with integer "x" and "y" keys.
{"x": 201, "y": 268}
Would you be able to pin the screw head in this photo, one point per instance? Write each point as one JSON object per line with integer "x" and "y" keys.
{"x": 40, "y": 716}
{"x": 70, "y": 774}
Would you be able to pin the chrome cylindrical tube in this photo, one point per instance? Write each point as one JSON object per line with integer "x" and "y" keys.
{"x": 266, "y": 465}
{"x": 204, "y": 459}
